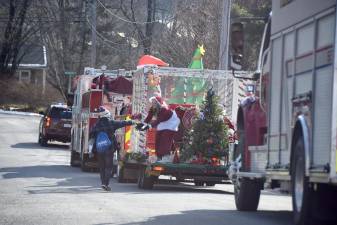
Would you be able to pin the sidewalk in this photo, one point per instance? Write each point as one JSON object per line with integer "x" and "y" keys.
{"x": 19, "y": 113}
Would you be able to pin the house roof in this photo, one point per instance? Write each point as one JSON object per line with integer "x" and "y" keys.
{"x": 34, "y": 56}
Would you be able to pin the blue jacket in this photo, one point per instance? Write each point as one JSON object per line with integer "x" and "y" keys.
{"x": 109, "y": 126}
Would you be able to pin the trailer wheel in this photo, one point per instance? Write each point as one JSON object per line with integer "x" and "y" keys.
{"x": 198, "y": 183}
{"x": 247, "y": 194}
{"x": 120, "y": 174}
{"x": 145, "y": 182}
{"x": 84, "y": 161}
{"x": 43, "y": 141}
{"x": 74, "y": 159}
{"x": 301, "y": 192}
{"x": 210, "y": 184}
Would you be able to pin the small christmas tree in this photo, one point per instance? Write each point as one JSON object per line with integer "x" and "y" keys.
{"x": 208, "y": 137}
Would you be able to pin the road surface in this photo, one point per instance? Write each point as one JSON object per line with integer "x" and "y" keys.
{"x": 37, "y": 186}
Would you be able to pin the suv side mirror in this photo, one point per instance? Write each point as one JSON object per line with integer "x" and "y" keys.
{"x": 256, "y": 75}
{"x": 237, "y": 43}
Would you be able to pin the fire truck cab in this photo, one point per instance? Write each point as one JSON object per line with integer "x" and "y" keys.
{"x": 287, "y": 132}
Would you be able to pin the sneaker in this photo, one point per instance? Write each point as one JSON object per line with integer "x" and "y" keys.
{"x": 107, "y": 188}
{"x": 104, "y": 187}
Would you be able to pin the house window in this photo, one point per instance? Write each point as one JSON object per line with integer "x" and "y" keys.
{"x": 25, "y": 76}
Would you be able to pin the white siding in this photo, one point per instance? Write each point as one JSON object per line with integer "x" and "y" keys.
{"x": 275, "y": 92}
{"x": 305, "y": 40}
{"x": 275, "y": 86}
{"x": 296, "y": 11}
{"x": 303, "y": 83}
{"x": 323, "y": 92}
{"x": 322, "y": 117}
{"x": 289, "y": 46}
{"x": 325, "y": 33}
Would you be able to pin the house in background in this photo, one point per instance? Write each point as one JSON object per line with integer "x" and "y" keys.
{"x": 33, "y": 65}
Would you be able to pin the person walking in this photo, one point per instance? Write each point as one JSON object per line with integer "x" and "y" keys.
{"x": 106, "y": 144}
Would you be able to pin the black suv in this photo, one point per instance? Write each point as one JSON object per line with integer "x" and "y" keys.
{"x": 55, "y": 125}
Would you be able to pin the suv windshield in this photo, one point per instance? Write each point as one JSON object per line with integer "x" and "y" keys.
{"x": 60, "y": 113}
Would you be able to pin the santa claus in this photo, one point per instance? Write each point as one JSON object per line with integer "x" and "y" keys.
{"x": 166, "y": 121}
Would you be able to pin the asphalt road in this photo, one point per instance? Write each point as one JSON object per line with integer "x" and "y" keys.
{"x": 37, "y": 186}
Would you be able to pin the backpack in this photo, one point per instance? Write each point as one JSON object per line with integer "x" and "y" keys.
{"x": 103, "y": 142}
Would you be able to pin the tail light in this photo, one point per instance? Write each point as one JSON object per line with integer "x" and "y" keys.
{"x": 158, "y": 168}
{"x": 215, "y": 161}
{"x": 48, "y": 122}
{"x": 152, "y": 152}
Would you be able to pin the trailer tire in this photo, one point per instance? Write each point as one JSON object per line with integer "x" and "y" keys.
{"x": 120, "y": 174}
{"x": 74, "y": 159}
{"x": 198, "y": 183}
{"x": 43, "y": 141}
{"x": 210, "y": 184}
{"x": 145, "y": 182}
{"x": 247, "y": 194}
{"x": 302, "y": 193}
{"x": 84, "y": 166}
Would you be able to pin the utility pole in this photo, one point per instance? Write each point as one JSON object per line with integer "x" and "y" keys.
{"x": 93, "y": 34}
{"x": 226, "y": 85}
{"x": 224, "y": 34}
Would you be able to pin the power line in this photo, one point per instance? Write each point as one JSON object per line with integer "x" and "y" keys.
{"x": 101, "y": 36}
{"x": 106, "y": 41}
{"x": 122, "y": 19}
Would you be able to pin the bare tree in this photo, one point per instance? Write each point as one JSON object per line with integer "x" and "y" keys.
{"x": 17, "y": 31}
{"x": 61, "y": 36}
{"x": 144, "y": 29}
{"x": 194, "y": 22}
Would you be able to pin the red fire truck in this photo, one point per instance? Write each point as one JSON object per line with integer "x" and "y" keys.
{"x": 287, "y": 131}
{"x": 110, "y": 88}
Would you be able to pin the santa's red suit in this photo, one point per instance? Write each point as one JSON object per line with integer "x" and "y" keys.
{"x": 167, "y": 123}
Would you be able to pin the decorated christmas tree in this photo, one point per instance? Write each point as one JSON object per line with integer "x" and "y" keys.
{"x": 207, "y": 140}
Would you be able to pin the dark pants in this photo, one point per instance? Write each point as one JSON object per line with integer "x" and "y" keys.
{"x": 164, "y": 142}
{"x": 105, "y": 160}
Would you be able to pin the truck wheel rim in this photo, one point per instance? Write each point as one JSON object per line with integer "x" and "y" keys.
{"x": 299, "y": 184}
{"x": 118, "y": 168}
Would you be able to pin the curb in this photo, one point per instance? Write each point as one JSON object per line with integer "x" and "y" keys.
{"x": 19, "y": 113}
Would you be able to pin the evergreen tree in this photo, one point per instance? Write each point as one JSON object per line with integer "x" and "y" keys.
{"x": 208, "y": 137}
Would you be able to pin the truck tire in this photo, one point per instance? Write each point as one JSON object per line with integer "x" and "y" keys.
{"x": 323, "y": 204}
{"x": 302, "y": 193}
{"x": 240, "y": 149}
{"x": 247, "y": 194}
{"x": 145, "y": 182}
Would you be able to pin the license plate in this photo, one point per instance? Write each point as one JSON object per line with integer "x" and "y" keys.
{"x": 66, "y": 125}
